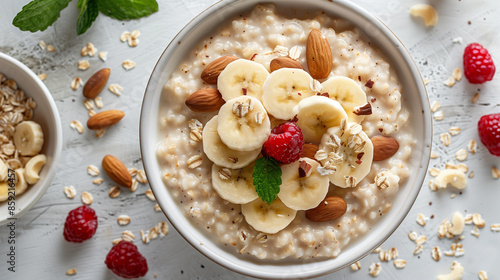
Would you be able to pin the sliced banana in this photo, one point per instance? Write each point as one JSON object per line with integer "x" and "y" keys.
{"x": 284, "y": 89}
{"x": 243, "y": 124}
{"x": 454, "y": 177}
{"x": 268, "y": 218}
{"x": 234, "y": 185}
{"x": 33, "y": 167}
{"x": 28, "y": 138}
{"x": 302, "y": 191}
{"x": 3, "y": 170}
{"x": 219, "y": 153}
{"x": 4, "y": 190}
{"x": 316, "y": 114}
{"x": 346, "y": 154}
{"x": 348, "y": 93}
{"x": 242, "y": 77}
{"x": 20, "y": 185}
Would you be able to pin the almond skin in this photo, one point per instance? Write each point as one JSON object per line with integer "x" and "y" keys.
{"x": 96, "y": 83}
{"x": 213, "y": 69}
{"x": 309, "y": 150}
{"x": 205, "y": 100}
{"x": 104, "y": 119}
{"x": 384, "y": 147}
{"x": 117, "y": 171}
{"x": 331, "y": 208}
{"x": 319, "y": 55}
{"x": 284, "y": 62}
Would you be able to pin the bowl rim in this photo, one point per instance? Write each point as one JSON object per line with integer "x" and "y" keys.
{"x": 419, "y": 179}
{"x": 57, "y": 139}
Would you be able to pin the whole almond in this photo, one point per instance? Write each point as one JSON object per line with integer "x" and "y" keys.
{"x": 117, "y": 171}
{"x": 96, "y": 83}
{"x": 384, "y": 147}
{"x": 205, "y": 100}
{"x": 104, "y": 119}
{"x": 319, "y": 55}
{"x": 309, "y": 150}
{"x": 331, "y": 208}
{"x": 213, "y": 69}
{"x": 284, "y": 62}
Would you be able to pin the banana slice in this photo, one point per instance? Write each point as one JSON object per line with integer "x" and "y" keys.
{"x": 20, "y": 185}
{"x": 284, "y": 89}
{"x": 316, "y": 114}
{"x": 346, "y": 154}
{"x": 243, "y": 124}
{"x": 268, "y": 218}
{"x": 348, "y": 93}
{"x": 302, "y": 186}
{"x": 242, "y": 77}
{"x": 234, "y": 185}
{"x": 33, "y": 167}
{"x": 3, "y": 170}
{"x": 28, "y": 138}
{"x": 219, "y": 153}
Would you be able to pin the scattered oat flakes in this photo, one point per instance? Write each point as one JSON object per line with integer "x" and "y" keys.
{"x": 400, "y": 263}
{"x": 114, "y": 192}
{"x": 128, "y": 64}
{"x": 125, "y": 36}
{"x": 413, "y": 235}
{"x": 436, "y": 253}
{"x": 144, "y": 236}
{"x": 450, "y": 82}
{"x": 141, "y": 177}
{"x": 194, "y": 161}
{"x": 375, "y": 269}
{"x": 163, "y": 229}
{"x": 495, "y": 227}
{"x": 439, "y": 115}
{"x": 89, "y": 50}
{"x": 42, "y": 76}
{"x": 384, "y": 256}
{"x": 51, "y": 48}
{"x": 116, "y": 89}
{"x": 477, "y": 219}
{"x": 356, "y": 266}
{"x": 76, "y": 83}
{"x": 472, "y": 146}
{"x": 495, "y": 173}
{"x": 457, "y": 74}
{"x": 377, "y": 250}
{"x": 93, "y": 170}
{"x": 475, "y": 231}
{"x": 87, "y": 198}
{"x": 457, "y": 40}
{"x": 123, "y": 220}
{"x": 83, "y": 64}
{"x": 433, "y": 172}
{"x": 92, "y": 113}
{"x": 100, "y": 133}
{"x": 453, "y": 195}
{"x": 70, "y": 192}
{"x": 434, "y": 155}
{"x": 116, "y": 241}
{"x": 149, "y": 194}
{"x": 454, "y": 130}
{"x": 71, "y": 271}
{"x": 98, "y": 102}
{"x": 103, "y": 56}
{"x": 462, "y": 167}
{"x": 471, "y": 174}
{"x": 418, "y": 249}
{"x": 42, "y": 45}
{"x": 134, "y": 186}
{"x": 421, "y": 219}
{"x": 435, "y": 106}
{"x": 157, "y": 208}
{"x": 426, "y": 81}
{"x": 393, "y": 253}
{"x": 89, "y": 104}
{"x": 445, "y": 139}
{"x": 475, "y": 97}
{"x": 483, "y": 275}
{"x": 77, "y": 126}
{"x": 461, "y": 154}
{"x": 128, "y": 236}
{"x": 97, "y": 181}
{"x": 132, "y": 171}
{"x": 421, "y": 240}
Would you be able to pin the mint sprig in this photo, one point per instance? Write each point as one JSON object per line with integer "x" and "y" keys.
{"x": 267, "y": 178}
{"x": 38, "y": 15}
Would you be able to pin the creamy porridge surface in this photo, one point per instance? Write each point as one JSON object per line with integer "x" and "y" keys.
{"x": 264, "y": 35}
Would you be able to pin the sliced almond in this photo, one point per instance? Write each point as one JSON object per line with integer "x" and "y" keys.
{"x": 211, "y": 72}
{"x": 105, "y": 119}
{"x": 96, "y": 83}
{"x": 319, "y": 55}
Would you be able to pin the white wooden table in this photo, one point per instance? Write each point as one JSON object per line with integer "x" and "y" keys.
{"x": 42, "y": 252}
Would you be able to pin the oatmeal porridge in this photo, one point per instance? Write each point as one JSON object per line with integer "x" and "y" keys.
{"x": 255, "y": 76}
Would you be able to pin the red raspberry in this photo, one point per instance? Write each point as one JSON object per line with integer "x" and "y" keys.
{"x": 285, "y": 143}
{"x": 478, "y": 65}
{"x": 489, "y": 132}
{"x": 125, "y": 261}
{"x": 80, "y": 225}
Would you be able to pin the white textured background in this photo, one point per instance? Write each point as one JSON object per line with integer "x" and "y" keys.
{"x": 42, "y": 252}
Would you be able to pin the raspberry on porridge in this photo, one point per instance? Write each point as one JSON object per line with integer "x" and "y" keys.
{"x": 260, "y": 71}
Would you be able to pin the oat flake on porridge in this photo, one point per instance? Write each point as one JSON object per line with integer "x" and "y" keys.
{"x": 256, "y": 36}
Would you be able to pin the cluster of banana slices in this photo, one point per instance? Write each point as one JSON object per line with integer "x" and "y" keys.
{"x": 28, "y": 140}
{"x": 328, "y": 113}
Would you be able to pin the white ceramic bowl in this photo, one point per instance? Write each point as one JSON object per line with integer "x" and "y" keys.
{"x": 414, "y": 94}
{"x": 47, "y": 116}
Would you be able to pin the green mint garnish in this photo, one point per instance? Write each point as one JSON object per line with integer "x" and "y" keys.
{"x": 39, "y": 14}
{"x": 128, "y": 9}
{"x": 88, "y": 13}
{"x": 267, "y": 178}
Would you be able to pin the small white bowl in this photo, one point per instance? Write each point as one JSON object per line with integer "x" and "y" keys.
{"x": 47, "y": 116}
{"x": 414, "y": 94}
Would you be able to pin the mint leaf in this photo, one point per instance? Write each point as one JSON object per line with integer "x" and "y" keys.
{"x": 267, "y": 178}
{"x": 88, "y": 13}
{"x": 127, "y": 9}
{"x": 39, "y": 14}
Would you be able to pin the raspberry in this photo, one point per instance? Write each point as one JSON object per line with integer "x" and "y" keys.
{"x": 285, "y": 143}
{"x": 489, "y": 132}
{"x": 80, "y": 225}
{"x": 125, "y": 261}
{"x": 478, "y": 65}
